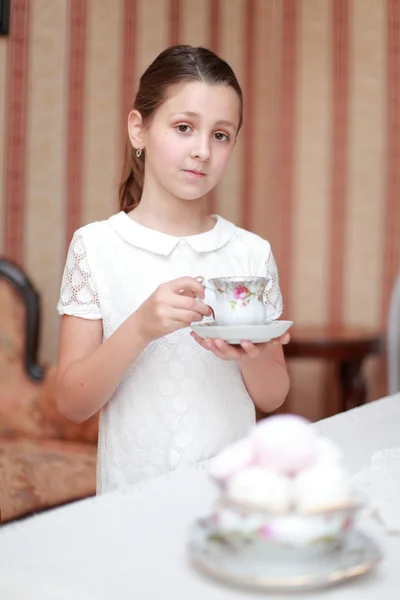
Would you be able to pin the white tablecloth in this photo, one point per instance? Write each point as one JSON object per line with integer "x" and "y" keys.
{"x": 132, "y": 544}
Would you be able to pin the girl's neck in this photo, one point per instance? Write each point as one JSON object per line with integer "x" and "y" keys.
{"x": 172, "y": 215}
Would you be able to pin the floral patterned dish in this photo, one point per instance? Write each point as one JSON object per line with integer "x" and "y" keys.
{"x": 246, "y": 561}
{"x": 238, "y": 300}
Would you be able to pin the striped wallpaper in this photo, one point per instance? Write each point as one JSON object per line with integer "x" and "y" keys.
{"x": 316, "y": 170}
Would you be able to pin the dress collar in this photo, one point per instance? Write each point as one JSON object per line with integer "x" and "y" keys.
{"x": 162, "y": 243}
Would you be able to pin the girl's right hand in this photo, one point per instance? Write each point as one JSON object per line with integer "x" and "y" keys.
{"x": 174, "y": 305}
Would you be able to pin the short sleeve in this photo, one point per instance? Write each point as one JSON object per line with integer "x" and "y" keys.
{"x": 272, "y": 293}
{"x": 78, "y": 296}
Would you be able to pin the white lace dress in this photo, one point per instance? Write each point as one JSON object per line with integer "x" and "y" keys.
{"x": 178, "y": 404}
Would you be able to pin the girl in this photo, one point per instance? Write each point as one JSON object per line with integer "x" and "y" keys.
{"x": 132, "y": 286}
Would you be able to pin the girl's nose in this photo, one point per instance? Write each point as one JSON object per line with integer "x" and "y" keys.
{"x": 202, "y": 151}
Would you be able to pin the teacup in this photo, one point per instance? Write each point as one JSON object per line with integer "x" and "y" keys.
{"x": 238, "y": 300}
{"x": 284, "y": 535}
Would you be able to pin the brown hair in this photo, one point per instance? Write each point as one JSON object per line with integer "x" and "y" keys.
{"x": 172, "y": 66}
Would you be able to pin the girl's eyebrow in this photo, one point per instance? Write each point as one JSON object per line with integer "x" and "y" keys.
{"x": 194, "y": 115}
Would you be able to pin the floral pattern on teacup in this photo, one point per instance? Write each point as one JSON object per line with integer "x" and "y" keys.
{"x": 233, "y": 529}
{"x": 241, "y": 294}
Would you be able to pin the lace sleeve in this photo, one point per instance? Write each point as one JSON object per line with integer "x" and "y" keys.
{"x": 272, "y": 293}
{"x": 78, "y": 295}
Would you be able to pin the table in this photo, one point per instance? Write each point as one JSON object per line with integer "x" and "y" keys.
{"x": 131, "y": 544}
{"x": 345, "y": 347}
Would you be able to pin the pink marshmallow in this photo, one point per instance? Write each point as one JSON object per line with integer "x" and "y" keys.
{"x": 234, "y": 458}
{"x": 285, "y": 443}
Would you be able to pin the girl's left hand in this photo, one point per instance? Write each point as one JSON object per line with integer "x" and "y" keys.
{"x": 240, "y": 353}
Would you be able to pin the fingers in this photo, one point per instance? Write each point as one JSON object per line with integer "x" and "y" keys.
{"x": 187, "y": 293}
{"x": 188, "y": 284}
{"x": 220, "y": 348}
{"x": 190, "y": 304}
{"x": 198, "y": 339}
{"x": 192, "y": 295}
{"x": 226, "y": 351}
{"x": 186, "y": 317}
{"x": 240, "y": 353}
{"x": 253, "y": 350}
{"x": 284, "y": 339}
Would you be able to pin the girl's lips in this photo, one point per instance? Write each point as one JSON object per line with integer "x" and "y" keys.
{"x": 196, "y": 174}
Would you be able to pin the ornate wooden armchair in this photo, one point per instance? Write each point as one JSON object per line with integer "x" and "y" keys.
{"x": 45, "y": 460}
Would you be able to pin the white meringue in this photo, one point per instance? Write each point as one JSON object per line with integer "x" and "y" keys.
{"x": 285, "y": 443}
{"x": 322, "y": 486}
{"x": 261, "y": 488}
{"x": 234, "y": 458}
{"x": 327, "y": 451}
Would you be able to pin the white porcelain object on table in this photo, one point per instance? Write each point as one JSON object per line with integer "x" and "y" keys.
{"x": 238, "y": 300}
{"x": 291, "y": 534}
{"x": 234, "y": 334}
{"x": 243, "y": 562}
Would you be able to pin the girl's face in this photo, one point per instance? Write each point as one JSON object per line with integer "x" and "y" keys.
{"x": 190, "y": 139}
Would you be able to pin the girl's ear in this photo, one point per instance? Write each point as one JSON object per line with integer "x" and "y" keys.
{"x": 135, "y": 129}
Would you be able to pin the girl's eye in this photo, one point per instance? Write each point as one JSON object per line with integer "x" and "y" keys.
{"x": 221, "y": 137}
{"x": 183, "y": 128}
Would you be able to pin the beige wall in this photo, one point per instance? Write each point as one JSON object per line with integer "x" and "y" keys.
{"x": 316, "y": 169}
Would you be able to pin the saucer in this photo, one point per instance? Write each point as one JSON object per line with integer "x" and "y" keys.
{"x": 233, "y": 565}
{"x": 234, "y": 334}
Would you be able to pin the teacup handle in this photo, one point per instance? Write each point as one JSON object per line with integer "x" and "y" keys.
{"x": 205, "y": 284}
{"x": 209, "y": 287}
